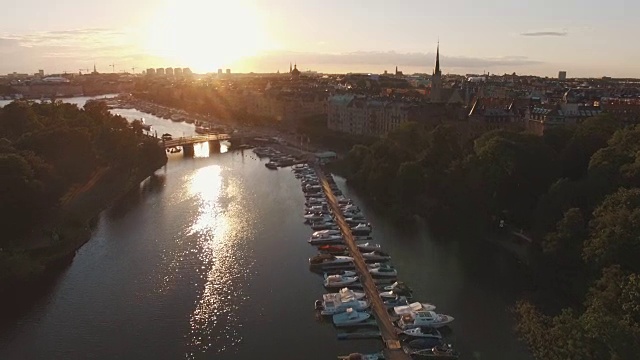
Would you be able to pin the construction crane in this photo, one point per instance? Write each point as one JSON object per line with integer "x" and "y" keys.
{"x": 113, "y": 67}
{"x": 81, "y": 70}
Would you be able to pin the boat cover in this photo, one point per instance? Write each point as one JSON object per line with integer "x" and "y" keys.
{"x": 408, "y": 309}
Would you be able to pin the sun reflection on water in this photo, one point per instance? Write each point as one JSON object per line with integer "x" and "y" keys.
{"x": 221, "y": 229}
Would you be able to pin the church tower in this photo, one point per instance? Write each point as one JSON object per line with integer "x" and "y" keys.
{"x": 436, "y": 79}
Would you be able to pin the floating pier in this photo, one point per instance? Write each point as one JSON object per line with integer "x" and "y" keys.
{"x": 393, "y": 347}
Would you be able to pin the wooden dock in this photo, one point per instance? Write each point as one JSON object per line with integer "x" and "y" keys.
{"x": 393, "y": 347}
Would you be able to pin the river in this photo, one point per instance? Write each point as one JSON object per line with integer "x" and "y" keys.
{"x": 210, "y": 261}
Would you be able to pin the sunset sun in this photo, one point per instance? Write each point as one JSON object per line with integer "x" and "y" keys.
{"x": 206, "y": 35}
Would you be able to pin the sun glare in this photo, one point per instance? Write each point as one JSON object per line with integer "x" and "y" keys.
{"x": 206, "y": 34}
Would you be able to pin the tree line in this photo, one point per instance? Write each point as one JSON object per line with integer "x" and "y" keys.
{"x": 47, "y": 150}
{"x": 575, "y": 189}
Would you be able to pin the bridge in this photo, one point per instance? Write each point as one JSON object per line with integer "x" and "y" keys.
{"x": 393, "y": 348}
{"x": 191, "y": 140}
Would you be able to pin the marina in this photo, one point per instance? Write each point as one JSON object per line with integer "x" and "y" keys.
{"x": 384, "y": 303}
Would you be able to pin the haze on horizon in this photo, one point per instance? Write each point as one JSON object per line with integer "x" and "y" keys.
{"x": 585, "y": 38}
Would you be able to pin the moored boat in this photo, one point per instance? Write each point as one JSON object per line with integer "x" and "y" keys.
{"x": 347, "y": 294}
{"x": 413, "y": 307}
{"x": 423, "y": 332}
{"x": 338, "y": 281}
{"x": 423, "y": 318}
{"x": 333, "y": 304}
{"x": 334, "y": 239}
{"x": 376, "y": 255}
{"x": 350, "y": 317}
{"x": 437, "y": 352}
{"x": 328, "y": 260}
{"x": 384, "y": 271}
{"x": 333, "y": 249}
{"x": 368, "y": 247}
{"x": 359, "y": 356}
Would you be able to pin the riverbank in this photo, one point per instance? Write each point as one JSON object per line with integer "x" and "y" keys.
{"x": 53, "y": 245}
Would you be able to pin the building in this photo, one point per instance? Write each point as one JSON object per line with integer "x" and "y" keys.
{"x": 151, "y": 71}
{"x": 295, "y": 73}
{"x": 177, "y": 71}
{"x": 495, "y": 113}
{"x": 626, "y": 110}
{"x": 543, "y": 117}
{"x": 562, "y": 75}
{"x": 228, "y": 71}
{"x": 436, "y": 80}
{"x": 377, "y": 116}
{"x": 160, "y": 71}
{"x": 168, "y": 71}
{"x": 219, "y": 72}
{"x": 41, "y": 73}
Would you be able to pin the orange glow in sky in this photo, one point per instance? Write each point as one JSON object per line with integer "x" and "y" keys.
{"x": 206, "y": 34}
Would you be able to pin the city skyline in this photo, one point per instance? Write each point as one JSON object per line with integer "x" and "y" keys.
{"x": 329, "y": 36}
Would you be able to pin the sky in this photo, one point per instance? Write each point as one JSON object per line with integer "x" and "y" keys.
{"x": 586, "y": 38}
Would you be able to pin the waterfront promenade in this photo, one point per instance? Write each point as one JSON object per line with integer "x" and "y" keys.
{"x": 393, "y": 348}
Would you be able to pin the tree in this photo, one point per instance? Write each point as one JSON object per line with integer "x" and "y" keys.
{"x": 615, "y": 231}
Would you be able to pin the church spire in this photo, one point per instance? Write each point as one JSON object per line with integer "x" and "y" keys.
{"x": 438, "y": 59}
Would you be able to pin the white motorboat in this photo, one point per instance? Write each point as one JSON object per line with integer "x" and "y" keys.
{"x": 376, "y": 256}
{"x": 350, "y": 317}
{"x": 423, "y": 332}
{"x": 384, "y": 271}
{"x": 347, "y": 294}
{"x": 413, "y": 307}
{"x": 328, "y": 260}
{"x": 344, "y": 273}
{"x": 361, "y": 229}
{"x": 335, "y": 239}
{"x": 338, "y": 281}
{"x": 332, "y": 304}
{"x": 368, "y": 247}
{"x": 317, "y": 217}
{"x": 323, "y": 233}
{"x": 423, "y": 318}
{"x": 399, "y": 286}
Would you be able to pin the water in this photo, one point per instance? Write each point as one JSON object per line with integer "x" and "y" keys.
{"x": 80, "y": 101}
{"x": 159, "y": 125}
{"x": 210, "y": 261}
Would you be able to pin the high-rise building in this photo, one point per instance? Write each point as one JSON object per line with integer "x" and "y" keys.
{"x": 151, "y": 71}
{"x": 177, "y": 71}
{"x": 228, "y": 71}
{"x": 562, "y": 75}
{"x": 219, "y": 72}
{"x": 186, "y": 72}
{"x": 41, "y": 72}
{"x": 168, "y": 71}
{"x": 160, "y": 71}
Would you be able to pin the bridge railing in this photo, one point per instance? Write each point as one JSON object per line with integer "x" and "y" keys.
{"x": 195, "y": 139}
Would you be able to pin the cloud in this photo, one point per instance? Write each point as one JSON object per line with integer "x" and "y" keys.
{"x": 545, "y": 33}
{"x": 68, "y": 49}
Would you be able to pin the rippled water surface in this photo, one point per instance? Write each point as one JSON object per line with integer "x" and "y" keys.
{"x": 209, "y": 260}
